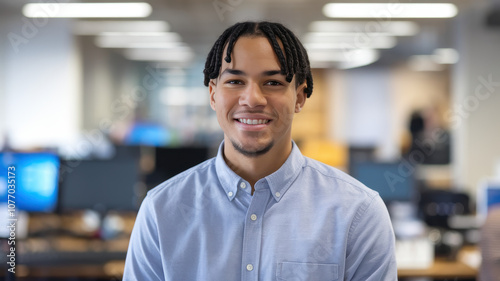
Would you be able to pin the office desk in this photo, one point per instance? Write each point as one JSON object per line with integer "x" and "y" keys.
{"x": 68, "y": 271}
{"x": 114, "y": 269}
{"x": 443, "y": 268}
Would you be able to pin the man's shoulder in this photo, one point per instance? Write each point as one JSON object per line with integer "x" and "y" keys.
{"x": 341, "y": 180}
{"x": 189, "y": 177}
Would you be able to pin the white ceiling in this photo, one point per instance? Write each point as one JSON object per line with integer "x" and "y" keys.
{"x": 199, "y": 23}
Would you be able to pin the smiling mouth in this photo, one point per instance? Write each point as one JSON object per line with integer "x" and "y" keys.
{"x": 253, "y": 121}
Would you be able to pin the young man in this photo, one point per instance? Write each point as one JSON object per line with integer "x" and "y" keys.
{"x": 260, "y": 210}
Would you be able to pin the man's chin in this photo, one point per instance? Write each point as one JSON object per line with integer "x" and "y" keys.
{"x": 250, "y": 151}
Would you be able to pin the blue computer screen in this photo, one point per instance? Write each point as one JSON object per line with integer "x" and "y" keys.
{"x": 149, "y": 134}
{"x": 493, "y": 196}
{"x": 391, "y": 180}
{"x": 36, "y": 180}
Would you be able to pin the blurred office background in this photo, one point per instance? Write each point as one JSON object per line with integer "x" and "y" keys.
{"x": 98, "y": 107}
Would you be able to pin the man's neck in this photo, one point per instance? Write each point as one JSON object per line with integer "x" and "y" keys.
{"x": 254, "y": 168}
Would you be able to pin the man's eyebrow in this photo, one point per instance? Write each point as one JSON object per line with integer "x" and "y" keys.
{"x": 271, "y": 72}
{"x": 232, "y": 71}
{"x": 242, "y": 73}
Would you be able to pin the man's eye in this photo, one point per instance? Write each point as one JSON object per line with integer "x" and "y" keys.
{"x": 274, "y": 83}
{"x": 234, "y": 82}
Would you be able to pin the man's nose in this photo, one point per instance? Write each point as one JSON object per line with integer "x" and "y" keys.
{"x": 253, "y": 96}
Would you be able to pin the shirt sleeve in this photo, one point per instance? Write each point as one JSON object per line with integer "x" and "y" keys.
{"x": 371, "y": 245}
{"x": 143, "y": 261}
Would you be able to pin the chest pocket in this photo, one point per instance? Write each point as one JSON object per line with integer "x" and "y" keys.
{"x": 295, "y": 271}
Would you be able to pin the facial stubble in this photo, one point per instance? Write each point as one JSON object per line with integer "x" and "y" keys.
{"x": 251, "y": 153}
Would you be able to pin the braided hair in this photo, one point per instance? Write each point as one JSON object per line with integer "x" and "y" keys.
{"x": 293, "y": 62}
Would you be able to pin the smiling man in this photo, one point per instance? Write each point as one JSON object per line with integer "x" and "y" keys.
{"x": 260, "y": 210}
{"x": 255, "y": 104}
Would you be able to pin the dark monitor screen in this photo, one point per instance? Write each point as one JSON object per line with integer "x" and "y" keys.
{"x": 100, "y": 185}
{"x": 386, "y": 178}
{"x": 35, "y": 178}
{"x": 172, "y": 161}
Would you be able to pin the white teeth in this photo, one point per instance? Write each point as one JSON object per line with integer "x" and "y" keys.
{"x": 253, "y": 121}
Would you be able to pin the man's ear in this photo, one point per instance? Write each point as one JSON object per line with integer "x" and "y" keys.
{"x": 301, "y": 97}
{"x": 211, "y": 88}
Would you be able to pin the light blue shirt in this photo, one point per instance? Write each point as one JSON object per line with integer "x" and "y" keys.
{"x": 306, "y": 221}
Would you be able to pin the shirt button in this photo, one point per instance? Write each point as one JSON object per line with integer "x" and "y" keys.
{"x": 230, "y": 194}
{"x": 253, "y": 217}
{"x": 243, "y": 185}
{"x": 277, "y": 194}
{"x": 249, "y": 267}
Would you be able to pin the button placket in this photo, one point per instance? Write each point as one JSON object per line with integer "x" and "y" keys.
{"x": 252, "y": 238}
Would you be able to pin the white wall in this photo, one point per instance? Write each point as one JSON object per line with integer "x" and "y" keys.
{"x": 5, "y": 16}
{"x": 368, "y": 106}
{"x": 41, "y": 78}
{"x": 476, "y": 116}
{"x": 361, "y": 103}
{"x": 108, "y": 84}
{"x": 3, "y": 34}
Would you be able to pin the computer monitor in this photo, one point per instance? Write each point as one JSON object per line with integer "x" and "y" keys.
{"x": 35, "y": 178}
{"x": 390, "y": 180}
{"x": 493, "y": 196}
{"x": 100, "y": 185}
{"x": 170, "y": 161}
{"x": 487, "y": 197}
{"x": 436, "y": 206}
{"x": 174, "y": 160}
{"x": 360, "y": 154}
{"x": 148, "y": 134}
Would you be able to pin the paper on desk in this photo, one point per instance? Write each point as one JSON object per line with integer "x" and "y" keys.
{"x": 414, "y": 253}
{"x": 471, "y": 258}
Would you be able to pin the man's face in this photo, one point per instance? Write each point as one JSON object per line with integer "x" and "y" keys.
{"x": 253, "y": 101}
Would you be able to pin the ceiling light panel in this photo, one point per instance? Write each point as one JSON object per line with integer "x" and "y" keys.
{"x": 182, "y": 55}
{"x": 87, "y": 10}
{"x": 138, "y": 39}
{"x": 352, "y": 41}
{"x": 390, "y": 10}
{"x": 97, "y": 27}
{"x": 395, "y": 28}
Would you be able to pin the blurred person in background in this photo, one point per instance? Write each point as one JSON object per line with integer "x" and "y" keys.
{"x": 429, "y": 137}
{"x": 490, "y": 246}
{"x": 260, "y": 210}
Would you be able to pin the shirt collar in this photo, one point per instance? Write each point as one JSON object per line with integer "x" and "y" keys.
{"x": 279, "y": 182}
{"x": 227, "y": 177}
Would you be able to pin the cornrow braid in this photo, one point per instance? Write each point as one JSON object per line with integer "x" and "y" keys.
{"x": 277, "y": 49}
{"x": 293, "y": 57}
{"x": 302, "y": 62}
{"x": 291, "y": 60}
{"x": 232, "y": 40}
